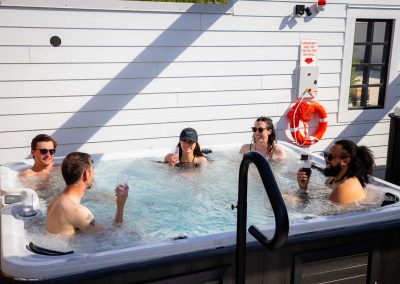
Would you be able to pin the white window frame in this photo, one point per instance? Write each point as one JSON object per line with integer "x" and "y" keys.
{"x": 355, "y": 12}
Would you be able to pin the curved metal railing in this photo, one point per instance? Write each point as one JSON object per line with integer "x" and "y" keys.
{"x": 278, "y": 207}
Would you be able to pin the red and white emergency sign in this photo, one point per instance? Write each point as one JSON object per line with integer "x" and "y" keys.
{"x": 308, "y": 52}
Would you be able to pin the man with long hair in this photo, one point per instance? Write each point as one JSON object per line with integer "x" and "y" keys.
{"x": 348, "y": 168}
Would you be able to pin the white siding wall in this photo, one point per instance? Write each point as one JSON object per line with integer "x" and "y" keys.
{"x": 124, "y": 80}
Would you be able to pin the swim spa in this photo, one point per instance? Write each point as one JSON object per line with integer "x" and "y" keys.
{"x": 198, "y": 228}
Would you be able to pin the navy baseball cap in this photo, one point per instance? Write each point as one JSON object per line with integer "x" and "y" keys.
{"x": 188, "y": 134}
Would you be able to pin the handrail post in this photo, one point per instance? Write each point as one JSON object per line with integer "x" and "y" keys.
{"x": 278, "y": 206}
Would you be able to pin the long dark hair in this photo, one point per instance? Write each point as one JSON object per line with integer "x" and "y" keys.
{"x": 270, "y": 126}
{"x": 196, "y": 152}
{"x": 361, "y": 160}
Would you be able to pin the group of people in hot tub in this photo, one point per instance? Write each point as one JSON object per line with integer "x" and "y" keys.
{"x": 348, "y": 169}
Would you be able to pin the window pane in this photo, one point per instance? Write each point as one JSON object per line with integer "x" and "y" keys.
{"x": 375, "y": 75}
{"x": 371, "y": 49}
{"x": 360, "y": 34}
{"x": 377, "y": 54}
{"x": 379, "y": 32}
{"x": 358, "y": 54}
{"x": 357, "y": 75}
{"x": 355, "y": 97}
{"x": 373, "y": 96}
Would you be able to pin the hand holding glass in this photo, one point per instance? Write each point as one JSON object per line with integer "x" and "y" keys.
{"x": 122, "y": 184}
{"x": 175, "y": 156}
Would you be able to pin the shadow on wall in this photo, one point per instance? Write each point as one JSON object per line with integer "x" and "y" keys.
{"x": 132, "y": 90}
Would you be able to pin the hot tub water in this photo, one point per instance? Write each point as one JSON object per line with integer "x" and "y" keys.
{"x": 167, "y": 203}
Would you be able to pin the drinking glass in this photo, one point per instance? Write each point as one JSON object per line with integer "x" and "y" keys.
{"x": 27, "y": 204}
{"x": 122, "y": 183}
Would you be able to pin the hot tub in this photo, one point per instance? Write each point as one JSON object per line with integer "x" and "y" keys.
{"x": 156, "y": 249}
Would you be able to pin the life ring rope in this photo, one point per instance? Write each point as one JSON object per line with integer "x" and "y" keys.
{"x": 303, "y": 111}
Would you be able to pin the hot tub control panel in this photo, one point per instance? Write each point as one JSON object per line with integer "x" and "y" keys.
{"x": 11, "y": 198}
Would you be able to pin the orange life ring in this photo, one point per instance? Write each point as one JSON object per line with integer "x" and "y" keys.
{"x": 304, "y": 111}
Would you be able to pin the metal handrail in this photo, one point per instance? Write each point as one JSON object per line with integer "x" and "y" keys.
{"x": 278, "y": 207}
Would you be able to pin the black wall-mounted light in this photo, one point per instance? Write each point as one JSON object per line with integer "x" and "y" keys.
{"x": 299, "y": 10}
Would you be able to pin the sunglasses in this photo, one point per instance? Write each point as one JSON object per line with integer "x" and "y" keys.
{"x": 330, "y": 157}
{"x": 44, "y": 151}
{"x": 260, "y": 129}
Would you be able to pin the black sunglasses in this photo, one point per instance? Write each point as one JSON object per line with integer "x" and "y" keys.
{"x": 260, "y": 129}
{"x": 330, "y": 157}
{"x": 44, "y": 151}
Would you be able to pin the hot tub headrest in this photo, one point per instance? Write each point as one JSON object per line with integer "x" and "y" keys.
{"x": 44, "y": 251}
{"x": 390, "y": 198}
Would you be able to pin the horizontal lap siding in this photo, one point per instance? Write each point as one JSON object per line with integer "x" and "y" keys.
{"x": 30, "y": 72}
{"x": 132, "y": 80}
{"x": 37, "y": 37}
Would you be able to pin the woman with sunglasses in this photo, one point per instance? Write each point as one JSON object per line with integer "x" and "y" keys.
{"x": 264, "y": 140}
{"x": 188, "y": 150}
{"x": 348, "y": 168}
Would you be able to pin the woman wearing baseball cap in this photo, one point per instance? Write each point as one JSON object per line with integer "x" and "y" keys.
{"x": 188, "y": 150}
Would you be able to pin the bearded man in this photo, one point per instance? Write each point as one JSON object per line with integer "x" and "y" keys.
{"x": 348, "y": 168}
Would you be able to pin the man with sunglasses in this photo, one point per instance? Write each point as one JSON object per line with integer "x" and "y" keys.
{"x": 43, "y": 148}
{"x": 348, "y": 168}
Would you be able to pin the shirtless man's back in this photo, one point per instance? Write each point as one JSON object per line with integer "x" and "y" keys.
{"x": 65, "y": 214}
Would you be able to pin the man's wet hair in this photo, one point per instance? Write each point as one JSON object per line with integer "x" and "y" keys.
{"x": 74, "y": 164}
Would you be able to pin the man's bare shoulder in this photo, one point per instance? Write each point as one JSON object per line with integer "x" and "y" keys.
{"x": 348, "y": 191}
{"x": 27, "y": 173}
{"x": 67, "y": 203}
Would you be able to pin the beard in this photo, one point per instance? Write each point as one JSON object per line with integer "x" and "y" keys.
{"x": 332, "y": 170}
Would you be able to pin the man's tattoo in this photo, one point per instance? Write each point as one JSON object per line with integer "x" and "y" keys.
{"x": 91, "y": 220}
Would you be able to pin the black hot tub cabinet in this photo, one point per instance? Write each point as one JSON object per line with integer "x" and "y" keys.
{"x": 360, "y": 247}
{"x": 367, "y": 253}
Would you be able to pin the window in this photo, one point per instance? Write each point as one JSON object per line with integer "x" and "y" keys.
{"x": 372, "y": 41}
